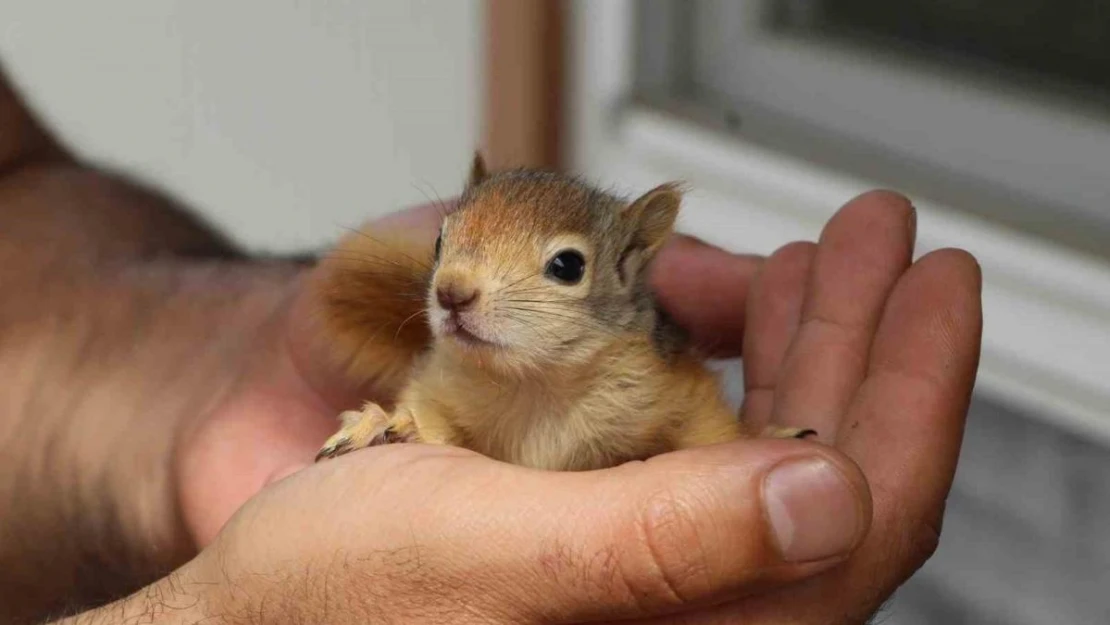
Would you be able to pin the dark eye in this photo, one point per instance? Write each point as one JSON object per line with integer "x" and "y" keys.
{"x": 439, "y": 246}
{"x": 568, "y": 267}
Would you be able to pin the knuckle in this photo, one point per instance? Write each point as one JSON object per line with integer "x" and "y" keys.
{"x": 794, "y": 253}
{"x": 670, "y": 565}
{"x": 922, "y": 541}
{"x": 910, "y": 547}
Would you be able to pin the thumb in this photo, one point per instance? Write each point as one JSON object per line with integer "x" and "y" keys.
{"x": 689, "y": 528}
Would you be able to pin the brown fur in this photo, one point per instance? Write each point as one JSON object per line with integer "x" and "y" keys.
{"x": 373, "y": 301}
{"x": 566, "y": 376}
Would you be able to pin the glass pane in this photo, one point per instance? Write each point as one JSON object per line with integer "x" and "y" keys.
{"x": 1065, "y": 40}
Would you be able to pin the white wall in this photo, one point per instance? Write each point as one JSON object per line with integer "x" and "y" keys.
{"x": 283, "y": 120}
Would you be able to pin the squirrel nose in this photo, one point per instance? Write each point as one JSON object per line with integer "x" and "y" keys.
{"x": 455, "y": 298}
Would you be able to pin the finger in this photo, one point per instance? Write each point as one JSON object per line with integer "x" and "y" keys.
{"x": 862, "y": 252}
{"x": 906, "y": 425}
{"x": 904, "y": 431}
{"x": 705, "y": 290}
{"x": 774, "y": 311}
{"x": 681, "y": 530}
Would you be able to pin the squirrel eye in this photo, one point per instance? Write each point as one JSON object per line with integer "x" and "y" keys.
{"x": 439, "y": 245}
{"x": 568, "y": 267}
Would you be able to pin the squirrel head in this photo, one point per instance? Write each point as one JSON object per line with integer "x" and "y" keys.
{"x": 535, "y": 269}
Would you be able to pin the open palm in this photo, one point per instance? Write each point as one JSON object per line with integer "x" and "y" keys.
{"x": 847, "y": 335}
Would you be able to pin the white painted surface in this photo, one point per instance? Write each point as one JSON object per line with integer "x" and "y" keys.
{"x": 283, "y": 120}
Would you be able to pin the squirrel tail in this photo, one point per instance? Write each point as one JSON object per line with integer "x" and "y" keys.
{"x": 373, "y": 297}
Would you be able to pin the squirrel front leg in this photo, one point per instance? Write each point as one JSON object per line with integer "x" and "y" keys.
{"x": 707, "y": 418}
{"x": 718, "y": 424}
{"x": 715, "y": 422}
{"x": 372, "y": 426}
{"x": 361, "y": 428}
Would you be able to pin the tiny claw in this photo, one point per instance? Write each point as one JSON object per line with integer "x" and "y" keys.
{"x": 798, "y": 433}
{"x": 369, "y": 428}
{"x": 333, "y": 449}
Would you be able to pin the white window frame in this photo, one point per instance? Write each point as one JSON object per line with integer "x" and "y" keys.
{"x": 964, "y": 124}
{"x": 1046, "y": 343}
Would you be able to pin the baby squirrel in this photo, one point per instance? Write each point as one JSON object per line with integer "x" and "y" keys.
{"x": 541, "y": 344}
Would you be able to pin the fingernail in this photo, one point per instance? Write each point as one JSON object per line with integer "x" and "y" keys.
{"x": 813, "y": 510}
{"x": 913, "y": 222}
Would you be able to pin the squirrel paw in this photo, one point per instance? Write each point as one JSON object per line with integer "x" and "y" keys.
{"x": 777, "y": 432}
{"x": 367, "y": 428}
{"x": 360, "y": 429}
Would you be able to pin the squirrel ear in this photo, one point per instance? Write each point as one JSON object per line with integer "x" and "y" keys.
{"x": 652, "y": 216}
{"x": 478, "y": 171}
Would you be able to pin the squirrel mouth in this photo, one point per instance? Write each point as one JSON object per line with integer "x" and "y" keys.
{"x": 454, "y": 327}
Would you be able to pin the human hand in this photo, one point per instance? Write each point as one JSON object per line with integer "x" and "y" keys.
{"x": 879, "y": 355}
{"x": 434, "y": 534}
{"x": 875, "y": 353}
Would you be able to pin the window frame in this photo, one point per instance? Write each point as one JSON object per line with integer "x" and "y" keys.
{"x": 1046, "y": 341}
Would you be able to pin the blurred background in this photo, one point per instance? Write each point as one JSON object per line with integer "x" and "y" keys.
{"x": 285, "y": 121}
{"x": 282, "y": 120}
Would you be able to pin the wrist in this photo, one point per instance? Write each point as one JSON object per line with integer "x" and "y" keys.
{"x": 172, "y": 600}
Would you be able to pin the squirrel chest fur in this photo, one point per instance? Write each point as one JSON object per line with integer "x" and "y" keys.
{"x": 527, "y": 331}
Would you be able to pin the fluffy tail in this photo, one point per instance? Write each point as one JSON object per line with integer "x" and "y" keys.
{"x": 373, "y": 303}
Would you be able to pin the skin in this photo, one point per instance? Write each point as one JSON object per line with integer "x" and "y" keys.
{"x": 164, "y": 398}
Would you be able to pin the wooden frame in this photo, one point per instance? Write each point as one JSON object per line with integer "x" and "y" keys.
{"x": 523, "y": 117}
